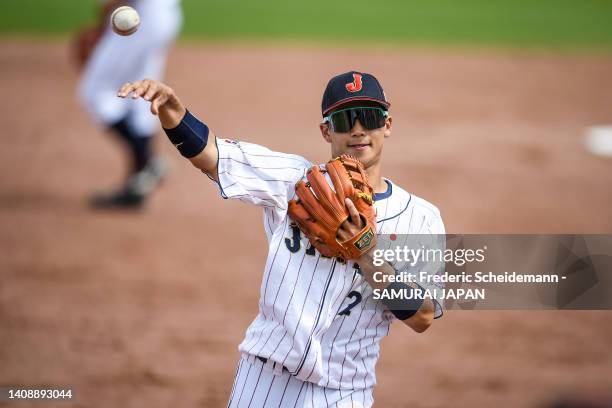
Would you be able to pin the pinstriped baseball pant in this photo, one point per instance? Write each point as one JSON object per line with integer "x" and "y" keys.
{"x": 261, "y": 385}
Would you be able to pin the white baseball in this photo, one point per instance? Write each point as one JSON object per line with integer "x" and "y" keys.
{"x": 125, "y": 20}
{"x": 598, "y": 140}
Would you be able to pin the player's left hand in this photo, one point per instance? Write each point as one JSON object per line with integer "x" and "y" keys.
{"x": 352, "y": 225}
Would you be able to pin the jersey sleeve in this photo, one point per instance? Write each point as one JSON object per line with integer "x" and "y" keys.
{"x": 434, "y": 232}
{"x": 257, "y": 175}
{"x": 429, "y": 235}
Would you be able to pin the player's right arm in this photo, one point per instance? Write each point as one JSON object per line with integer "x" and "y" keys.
{"x": 244, "y": 171}
{"x": 171, "y": 112}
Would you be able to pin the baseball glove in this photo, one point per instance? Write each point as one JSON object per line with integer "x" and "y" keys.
{"x": 84, "y": 43}
{"x": 319, "y": 211}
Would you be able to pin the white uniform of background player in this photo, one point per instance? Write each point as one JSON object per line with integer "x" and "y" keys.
{"x": 117, "y": 60}
{"x": 315, "y": 341}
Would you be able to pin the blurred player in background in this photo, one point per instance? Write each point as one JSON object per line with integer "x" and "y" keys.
{"x": 108, "y": 61}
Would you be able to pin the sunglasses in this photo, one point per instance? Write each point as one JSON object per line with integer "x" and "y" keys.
{"x": 343, "y": 120}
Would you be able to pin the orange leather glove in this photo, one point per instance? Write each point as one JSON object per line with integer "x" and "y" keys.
{"x": 319, "y": 211}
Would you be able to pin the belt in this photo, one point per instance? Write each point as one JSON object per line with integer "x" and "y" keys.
{"x": 265, "y": 360}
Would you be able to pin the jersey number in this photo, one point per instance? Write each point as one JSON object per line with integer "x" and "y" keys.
{"x": 347, "y": 310}
{"x": 294, "y": 244}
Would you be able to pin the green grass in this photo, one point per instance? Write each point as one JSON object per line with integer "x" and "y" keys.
{"x": 507, "y": 23}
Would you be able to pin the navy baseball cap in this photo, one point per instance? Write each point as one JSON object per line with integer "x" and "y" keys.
{"x": 352, "y": 86}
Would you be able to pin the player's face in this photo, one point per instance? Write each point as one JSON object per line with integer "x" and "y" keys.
{"x": 365, "y": 144}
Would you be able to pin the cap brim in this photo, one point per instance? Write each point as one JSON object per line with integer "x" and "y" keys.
{"x": 356, "y": 98}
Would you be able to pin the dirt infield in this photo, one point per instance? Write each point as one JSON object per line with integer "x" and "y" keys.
{"x": 147, "y": 309}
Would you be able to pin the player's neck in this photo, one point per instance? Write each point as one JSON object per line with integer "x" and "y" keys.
{"x": 375, "y": 178}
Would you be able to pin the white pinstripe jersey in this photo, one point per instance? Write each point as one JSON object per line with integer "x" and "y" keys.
{"x": 316, "y": 315}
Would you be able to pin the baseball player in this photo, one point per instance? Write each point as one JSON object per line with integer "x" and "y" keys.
{"x": 113, "y": 61}
{"x": 315, "y": 341}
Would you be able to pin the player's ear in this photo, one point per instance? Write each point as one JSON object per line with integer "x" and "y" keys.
{"x": 324, "y": 127}
{"x": 388, "y": 126}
